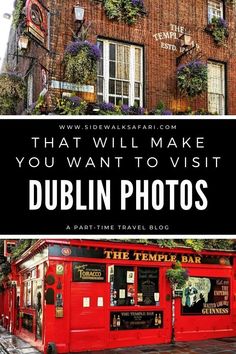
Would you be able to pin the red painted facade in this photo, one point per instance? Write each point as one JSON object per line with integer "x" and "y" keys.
{"x": 79, "y": 309}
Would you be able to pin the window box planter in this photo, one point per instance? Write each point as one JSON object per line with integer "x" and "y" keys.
{"x": 218, "y": 28}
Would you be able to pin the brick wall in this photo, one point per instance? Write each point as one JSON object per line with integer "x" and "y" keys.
{"x": 159, "y": 63}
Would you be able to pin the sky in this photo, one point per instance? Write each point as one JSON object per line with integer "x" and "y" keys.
{"x": 6, "y": 6}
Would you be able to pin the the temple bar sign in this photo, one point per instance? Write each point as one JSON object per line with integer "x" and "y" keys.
{"x": 151, "y": 257}
{"x": 170, "y": 39}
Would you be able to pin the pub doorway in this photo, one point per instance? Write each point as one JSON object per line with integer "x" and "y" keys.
{"x": 88, "y": 316}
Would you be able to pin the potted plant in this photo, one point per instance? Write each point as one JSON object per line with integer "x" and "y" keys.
{"x": 81, "y": 59}
{"x": 192, "y": 78}
{"x": 12, "y": 91}
{"x": 218, "y": 28}
{"x": 177, "y": 275}
{"x": 124, "y": 10}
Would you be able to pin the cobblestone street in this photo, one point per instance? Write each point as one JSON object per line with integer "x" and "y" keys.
{"x": 214, "y": 346}
{"x": 14, "y": 345}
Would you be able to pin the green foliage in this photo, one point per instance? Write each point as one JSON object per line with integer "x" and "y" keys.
{"x": 166, "y": 243}
{"x": 192, "y": 78}
{"x": 71, "y": 106}
{"x": 218, "y": 29}
{"x": 21, "y": 247}
{"x": 124, "y": 10}
{"x": 200, "y": 111}
{"x": 161, "y": 110}
{"x": 196, "y": 245}
{"x": 177, "y": 276}
{"x": 219, "y": 244}
{"x": 5, "y": 268}
{"x": 230, "y": 2}
{"x": 80, "y": 68}
{"x": 12, "y": 91}
{"x": 17, "y": 13}
{"x": 200, "y": 244}
{"x": 39, "y": 105}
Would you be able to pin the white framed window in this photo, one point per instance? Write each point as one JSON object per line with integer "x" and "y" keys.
{"x": 120, "y": 73}
{"x": 216, "y": 87}
{"x": 215, "y": 9}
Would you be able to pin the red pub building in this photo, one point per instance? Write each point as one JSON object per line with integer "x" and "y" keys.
{"x": 79, "y": 295}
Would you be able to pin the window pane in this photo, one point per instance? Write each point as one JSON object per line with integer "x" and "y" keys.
{"x": 137, "y": 64}
{"x": 112, "y": 51}
{"x": 123, "y": 288}
{"x": 125, "y": 88}
{"x": 112, "y": 69}
{"x": 112, "y": 86}
{"x": 148, "y": 286}
{"x": 112, "y": 99}
{"x": 118, "y": 87}
{"x": 136, "y": 90}
{"x": 119, "y": 101}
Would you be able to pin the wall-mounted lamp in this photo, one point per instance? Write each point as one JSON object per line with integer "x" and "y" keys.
{"x": 79, "y": 13}
{"x": 186, "y": 45}
{"x": 185, "y": 40}
{"x": 23, "y": 42}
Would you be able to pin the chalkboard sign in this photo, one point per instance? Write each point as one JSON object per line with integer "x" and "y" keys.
{"x": 129, "y": 320}
{"x": 206, "y": 296}
{"x": 89, "y": 272}
{"x": 148, "y": 279}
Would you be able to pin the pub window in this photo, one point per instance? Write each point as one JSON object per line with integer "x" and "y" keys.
{"x": 215, "y": 9}
{"x": 120, "y": 73}
{"x": 31, "y": 287}
{"x": 148, "y": 287}
{"x": 135, "y": 286}
{"x": 216, "y": 88}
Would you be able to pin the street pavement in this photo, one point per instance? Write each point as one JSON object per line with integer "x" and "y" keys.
{"x": 214, "y": 346}
{"x": 14, "y": 345}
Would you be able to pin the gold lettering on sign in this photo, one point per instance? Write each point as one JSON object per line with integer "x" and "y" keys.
{"x": 151, "y": 257}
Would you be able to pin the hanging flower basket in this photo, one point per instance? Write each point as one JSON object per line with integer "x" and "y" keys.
{"x": 81, "y": 59}
{"x": 192, "y": 78}
{"x": 177, "y": 275}
{"x": 12, "y": 91}
{"x": 124, "y": 10}
{"x": 218, "y": 28}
